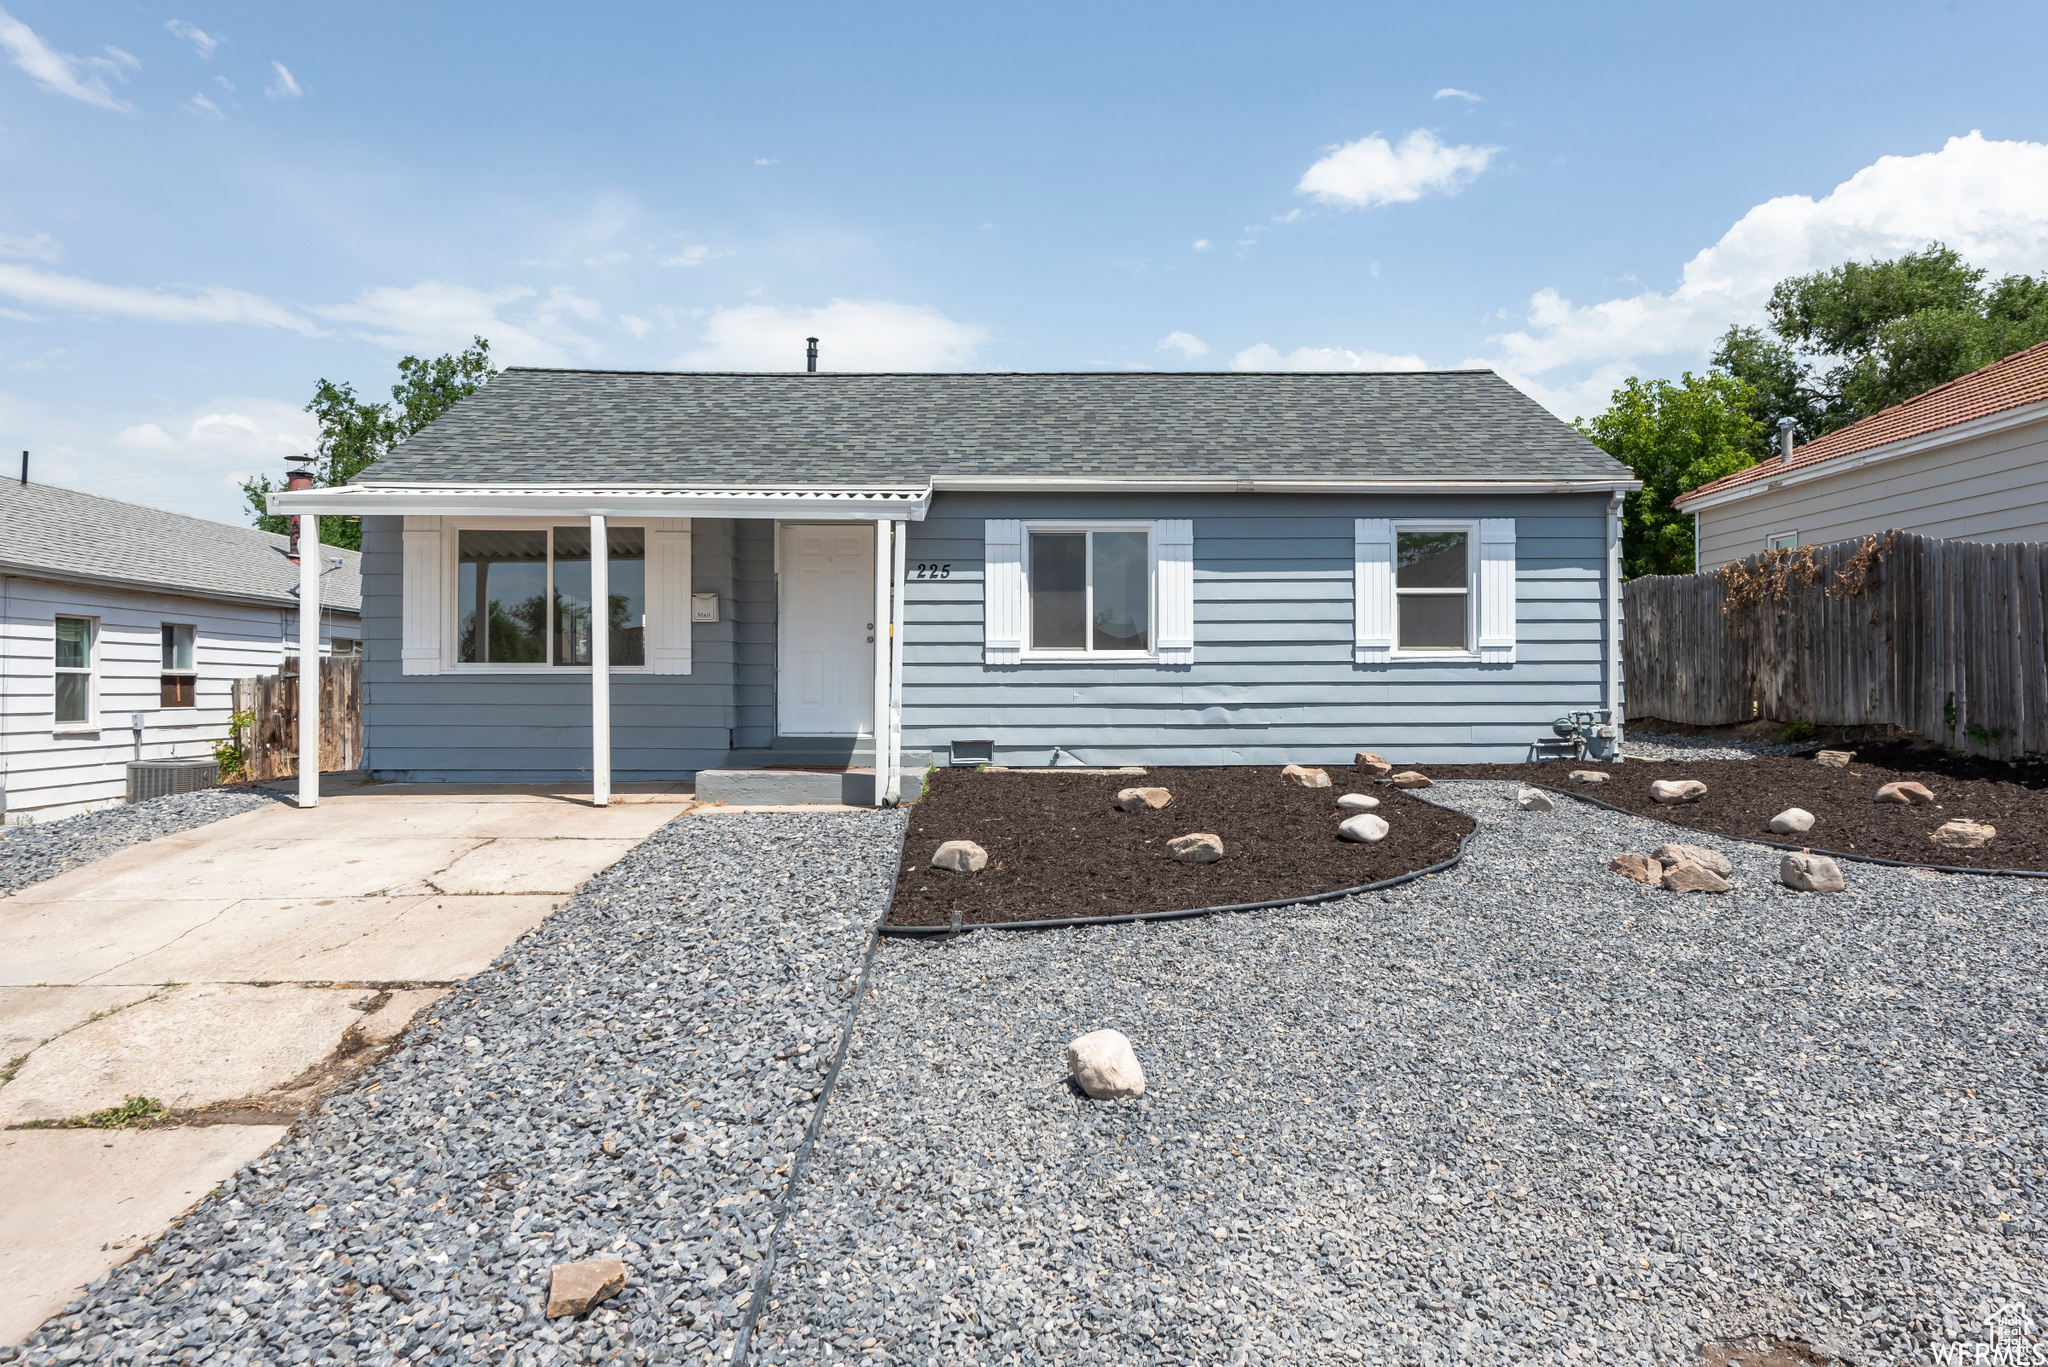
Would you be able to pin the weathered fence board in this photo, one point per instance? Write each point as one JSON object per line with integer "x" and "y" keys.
{"x": 270, "y": 744}
{"x": 1948, "y": 639}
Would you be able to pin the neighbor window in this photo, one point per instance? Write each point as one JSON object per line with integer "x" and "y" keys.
{"x": 1782, "y": 541}
{"x": 74, "y": 671}
{"x": 1433, "y": 589}
{"x": 1090, "y": 590}
{"x": 523, "y": 596}
{"x": 178, "y": 684}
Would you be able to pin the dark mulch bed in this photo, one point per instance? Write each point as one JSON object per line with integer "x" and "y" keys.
{"x": 1057, "y": 848}
{"x": 1743, "y": 796}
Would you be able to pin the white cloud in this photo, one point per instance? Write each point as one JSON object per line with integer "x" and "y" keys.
{"x": 1186, "y": 343}
{"x": 225, "y": 84}
{"x": 145, "y": 436}
{"x": 202, "y": 42}
{"x": 283, "y": 87}
{"x": 638, "y": 327}
{"x": 688, "y": 256}
{"x": 1988, "y": 200}
{"x": 62, "y": 75}
{"x": 1373, "y": 171}
{"x": 213, "y": 304}
{"x": 857, "y": 334}
{"x": 767, "y": 161}
{"x": 1451, "y": 92}
{"x": 433, "y": 317}
{"x": 204, "y": 108}
{"x": 1201, "y": 244}
{"x": 1328, "y": 358}
{"x": 41, "y": 247}
{"x": 608, "y": 259}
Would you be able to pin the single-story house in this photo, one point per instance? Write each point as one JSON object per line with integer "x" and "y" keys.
{"x": 1966, "y": 460}
{"x": 1024, "y": 569}
{"x": 122, "y": 631}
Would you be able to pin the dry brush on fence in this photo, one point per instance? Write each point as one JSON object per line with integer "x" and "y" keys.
{"x": 270, "y": 743}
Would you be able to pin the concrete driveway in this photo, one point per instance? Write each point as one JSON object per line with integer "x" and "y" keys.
{"x": 236, "y": 971}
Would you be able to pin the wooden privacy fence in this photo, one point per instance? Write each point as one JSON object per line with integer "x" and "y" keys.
{"x": 1948, "y": 639}
{"x": 270, "y": 743}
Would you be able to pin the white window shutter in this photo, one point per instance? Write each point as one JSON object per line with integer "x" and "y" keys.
{"x": 1372, "y": 590}
{"x": 1002, "y": 591}
{"x": 1174, "y": 632}
{"x": 1497, "y": 590}
{"x": 420, "y": 595}
{"x": 668, "y": 596}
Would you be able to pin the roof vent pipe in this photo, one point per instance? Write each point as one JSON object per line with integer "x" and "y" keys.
{"x": 24, "y": 469}
{"x": 811, "y": 356}
{"x": 1787, "y": 427}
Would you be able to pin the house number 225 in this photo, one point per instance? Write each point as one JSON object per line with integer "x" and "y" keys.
{"x": 933, "y": 571}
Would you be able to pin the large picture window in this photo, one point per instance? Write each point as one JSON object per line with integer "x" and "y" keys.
{"x": 74, "y": 664}
{"x": 523, "y": 596}
{"x": 1089, "y": 590}
{"x": 1433, "y": 589}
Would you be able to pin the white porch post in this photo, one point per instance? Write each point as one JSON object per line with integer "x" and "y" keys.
{"x": 309, "y": 660}
{"x": 601, "y": 665}
{"x": 900, "y": 531}
{"x": 881, "y": 640}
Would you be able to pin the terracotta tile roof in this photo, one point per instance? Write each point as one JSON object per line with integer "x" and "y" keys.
{"x": 2019, "y": 379}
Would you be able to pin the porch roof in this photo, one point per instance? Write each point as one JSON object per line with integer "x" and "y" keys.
{"x": 500, "y": 500}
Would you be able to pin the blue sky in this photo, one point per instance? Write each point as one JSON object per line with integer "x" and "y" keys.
{"x": 205, "y": 208}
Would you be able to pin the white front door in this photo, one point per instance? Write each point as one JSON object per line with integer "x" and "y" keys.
{"x": 826, "y": 671}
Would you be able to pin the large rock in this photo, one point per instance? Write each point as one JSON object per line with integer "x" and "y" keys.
{"x": 1303, "y": 776}
{"x": 1199, "y": 848}
{"x": 1835, "y": 759}
{"x": 1409, "y": 778}
{"x": 1365, "y": 828}
{"x": 1143, "y": 799}
{"x": 1589, "y": 776}
{"x": 1640, "y": 867}
{"x": 1693, "y": 878}
{"x": 1672, "y": 853}
{"x": 1375, "y": 766}
{"x": 1964, "y": 835}
{"x": 575, "y": 1287}
{"x": 1792, "y": 821}
{"x": 1533, "y": 800}
{"x": 1810, "y": 872}
{"x": 1906, "y": 794}
{"x": 1106, "y": 1066}
{"x": 960, "y": 856}
{"x": 1356, "y": 802}
{"x": 1672, "y": 791}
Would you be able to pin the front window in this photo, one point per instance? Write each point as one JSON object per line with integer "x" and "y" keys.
{"x": 524, "y": 595}
{"x": 74, "y": 671}
{"x": 1783, "y": 541}
{"x": 178, "y": 683}
{"x": 1432, "y": 590}
{"x": 1091, "y": 590}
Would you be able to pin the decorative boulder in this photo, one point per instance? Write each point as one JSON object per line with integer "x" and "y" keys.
{"x": 1589, "y": 776}
{"x": 1409, "y": 778}
{"x": 1672, "y": 791}
{"x": 1375, "y": 766}
{"x": 1693, "y": 878}
{"x": 1533, "y": 800}
{"x": 1195, "y": 849}
{"x": 1907, "y": 794}
{"x": 960, "y": 856}
{"x": 1142, "y": 799}
{"x": 1669, "y": 854}
{"x": 1365, "y": 828}
{"x": 1835, "y": 759}
{"x": 1810, "y": 872}
{"x": 574, "y": 1287}
{"x": 1640, "y": 867}
{"x": 1356, "y": 802}
{"x": 1964, "y": 835}
{"x": 1106, "y": 1066}
{"x": 1305, "y": 777}
{"x": 1792, "y": 821}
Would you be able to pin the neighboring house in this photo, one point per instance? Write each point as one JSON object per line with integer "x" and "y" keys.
{"x": 1094, "y": 569}
{"x": 113, "y": 613}
{"x": 1967, "y": 460}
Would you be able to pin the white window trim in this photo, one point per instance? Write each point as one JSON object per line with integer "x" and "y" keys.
{"x": 1031, "y": 654}
{"x": 451, "y": 587}
{"x": 167, "y": 672}
{"x": 1771, "y": 541}
{"x": 1469, "y": 651}
{"x": 91, "y": 724}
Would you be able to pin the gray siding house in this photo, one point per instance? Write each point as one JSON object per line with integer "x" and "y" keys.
{"x": 1026, "y": 569}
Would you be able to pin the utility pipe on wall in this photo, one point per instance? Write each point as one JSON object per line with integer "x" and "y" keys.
{"x": 1614, "y": 618}
{"x": 878, "y": 633}
{"x": 600, "y": 664}
{"x": 309, "y": 659}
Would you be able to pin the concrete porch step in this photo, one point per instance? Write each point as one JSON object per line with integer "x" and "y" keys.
{"x": 791, "y": 777}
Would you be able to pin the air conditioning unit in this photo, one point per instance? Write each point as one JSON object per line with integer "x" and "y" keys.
{"x": 148, "y": 778}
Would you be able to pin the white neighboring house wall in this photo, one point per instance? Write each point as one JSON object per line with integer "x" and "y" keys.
{"x": 1985, "y": 480}
{"x": 47, "y": 771}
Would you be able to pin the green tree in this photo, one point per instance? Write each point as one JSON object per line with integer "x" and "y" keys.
{"x": 354, "y": 433}
{"x": 1675, "y": 437}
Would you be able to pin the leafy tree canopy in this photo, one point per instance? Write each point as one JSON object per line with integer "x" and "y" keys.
{"x": 355, "y": 432}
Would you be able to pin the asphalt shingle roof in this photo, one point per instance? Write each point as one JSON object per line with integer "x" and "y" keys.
{"x": 640, "y": 428}
{"x": 74, "y": 535}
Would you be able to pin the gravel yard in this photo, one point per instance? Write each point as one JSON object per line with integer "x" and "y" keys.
{"x": 33, "y": 851}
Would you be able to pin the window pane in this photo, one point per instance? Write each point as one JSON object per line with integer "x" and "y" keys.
{"x": 1059, "y": 590}
{"x": 572, "y": 595}
{"x": 74, "y": 697}
{"x": 626, "y": 548}
{"x": 1432, "y": 621}
{"x": 1123, "y": 597}
{"x": 1431, "y": 560}
{"x": 177, "y": 647}
{"x": 502, "y": 586}
{"x": 74, "y": 644}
